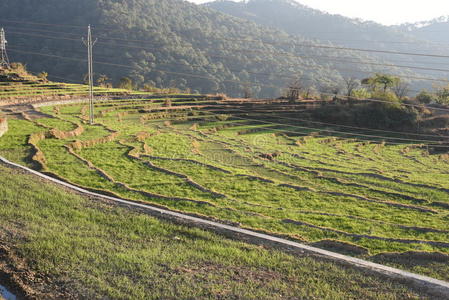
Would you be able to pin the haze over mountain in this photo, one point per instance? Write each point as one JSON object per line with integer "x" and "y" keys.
{"x": 176, "y": 43}
{"x": 300, "y": 20}
{"x": 435, "y": 30}
{"x": 384, "y": 12}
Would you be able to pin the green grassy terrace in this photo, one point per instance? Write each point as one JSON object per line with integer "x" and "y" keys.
{"x": 85, "y": 248}
{"x": 385, "y": 202}
{"x": 28, "y": 90}
{"x": 18, "y": 84}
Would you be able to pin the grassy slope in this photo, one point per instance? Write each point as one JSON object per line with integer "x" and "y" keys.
{"x": 97, "y": 250}
{"x": 235, "y": 146}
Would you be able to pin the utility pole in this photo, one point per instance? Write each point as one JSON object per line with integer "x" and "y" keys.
{"x": 4, "y": 61}
{"x": 89, "y": 44}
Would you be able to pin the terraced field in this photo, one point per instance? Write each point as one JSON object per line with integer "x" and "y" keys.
{"x": 28, "y": 89}
{"x": 17, "y": 85}
{"x": 87, "y": 248}
{"x": 386, "y": 202}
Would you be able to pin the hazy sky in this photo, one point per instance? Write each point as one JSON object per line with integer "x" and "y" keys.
{"x": 387, "y": 12}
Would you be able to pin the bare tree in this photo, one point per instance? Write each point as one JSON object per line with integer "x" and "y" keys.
{"x": 103, "y": 80}
{"x": 327, "y": 88}
{"x": 335, "y": 90}
{"x": 351, "y": 84}
{"x": 294, "y": 90}
{"x": 330, "y": 89}
{"x": 309, "y": 91}
{"x": 401, "y": 89}
{"x": 247, "y": 91}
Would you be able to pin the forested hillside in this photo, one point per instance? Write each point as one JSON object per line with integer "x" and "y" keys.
{"x": 169, "y": 43}
{"x": 303, "y": 21}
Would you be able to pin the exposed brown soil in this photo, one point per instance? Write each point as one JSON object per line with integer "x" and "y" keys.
{"x": 17, "y": 276}
{"x": 365, "y": 236}
{"x": 341, "y": 247}
{"x": 414, "y": 257}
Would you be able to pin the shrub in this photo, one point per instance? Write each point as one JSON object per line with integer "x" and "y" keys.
{"x": 43, "y": 76}
{"x": 373, "y": 115}
{"x": 426, "y": 97}
{"x": 223, "y": 117}
{"x": 442, "y": 96}
{"x": 126, "y": 83}
{"x": 19, "y": 68}
{"x": 361, "y": 93}
{"x": 151, "y": 88}
{"x": 385, "y": 96}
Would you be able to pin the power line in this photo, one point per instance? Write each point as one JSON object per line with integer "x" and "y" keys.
{"x": 149, "y": 41}
{"x": 302, "y": 56}
{"x": 345, "y": 126}
{"x": 43, "y": 24}
{"x": 207, "y": 77}
{"x": 350, "y": 134}
{"x": 342, "y": 48}
{"x": 48, "y": 55}
{"x": 330, "y": 131}
{"x": 301, "y": 120}
{"x": 41, "y": 30}
{"x": 384, "y": 42}
{"x": 291, "y": 55}
{"x": 320, "y": 129}
{"x": 44, "y": 36}
{"x": 339, "y": 132}
{"x": 74, "y": 51}
{"x": 303, "y": 33}
{"x": 195, "y": 75}
{"x": 334, "y": 131}
{"x": 334, "y": 59}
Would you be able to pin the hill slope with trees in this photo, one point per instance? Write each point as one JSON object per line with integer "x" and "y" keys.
{"x": 305, "y": 22}
{"x": 167, "y": 43}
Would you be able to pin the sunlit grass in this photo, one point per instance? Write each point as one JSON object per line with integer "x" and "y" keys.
{"x": 338, "y": 188}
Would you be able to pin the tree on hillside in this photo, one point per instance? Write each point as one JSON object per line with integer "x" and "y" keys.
{"x": 361, "y": 93}
{"x": 309, "y": 92}
{"x": 383, "y": 81}
{"x": 369, "y": 83}
{"x": 380, "y": 86}
{"x": 330, "y": 89}
{"x": 103, "y": 81}
{"x": 401, "y": 89}
{"x": 426, "y": 97}
{"x": 351, "y": 84}
{"x": 43, "y": 75}
{"x": 386, "y": 81}
{"x": 294, "y": 90}
{"x": 247, "y": 91}
{"x": 442, "y": 95}
{"x": 126, "y": 83}
{"x": 180, "y": 33}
